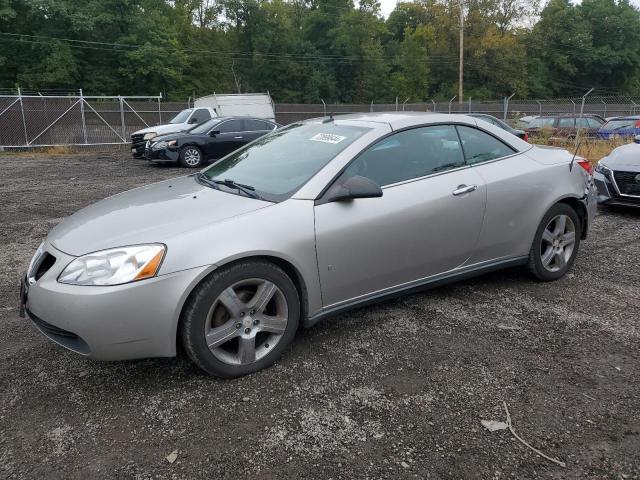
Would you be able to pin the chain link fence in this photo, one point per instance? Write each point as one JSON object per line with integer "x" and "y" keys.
{"x": 36, "y": 120}
{"x": 53, "y": 118}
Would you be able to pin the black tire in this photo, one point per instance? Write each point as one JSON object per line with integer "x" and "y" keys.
{"x": 194, "y": 316}
{"x": 187, "y": 154}
{"x": 535, "y": 265}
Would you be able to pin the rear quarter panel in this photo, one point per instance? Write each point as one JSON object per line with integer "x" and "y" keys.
{"x": 520, "y": 190}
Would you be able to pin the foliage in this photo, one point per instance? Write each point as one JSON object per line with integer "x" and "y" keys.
{"x": 305, "y": 50}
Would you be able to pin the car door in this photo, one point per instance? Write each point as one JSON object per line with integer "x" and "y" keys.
{"x": 427, "y": 221}
{"x": 514, "y": 183}
{"x": 227, "y": 136}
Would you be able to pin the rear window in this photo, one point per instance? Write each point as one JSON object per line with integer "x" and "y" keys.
{"x": 621, "y": 123}
{"x": 541, "y": 123}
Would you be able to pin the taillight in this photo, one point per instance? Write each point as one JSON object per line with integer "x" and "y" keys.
{"x": 526, "y": 137}
{"x": 586, "y": 164}
{"x": 637, "y": 123}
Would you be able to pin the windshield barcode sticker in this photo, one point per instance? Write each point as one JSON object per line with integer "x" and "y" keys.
{"x": 327, "y": 138}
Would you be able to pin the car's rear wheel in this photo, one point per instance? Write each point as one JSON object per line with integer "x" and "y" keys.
{"x": 240, "y": 319}
{"x": 191, "y": 157}
{"x": 556, "y": 243}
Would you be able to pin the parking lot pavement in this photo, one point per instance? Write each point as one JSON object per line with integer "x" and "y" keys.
{"x": 396, "y": 390}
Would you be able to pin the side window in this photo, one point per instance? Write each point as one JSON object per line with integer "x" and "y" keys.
{"x": 479, "y": 146}
{"x": 409, "y": 154}
{"x": 567, "y": 123}
{"x": 200, "y": 116}
{"x": 257, "y": 125}
{"x": 231, "y": 126}
{"x": 593, "y": 123}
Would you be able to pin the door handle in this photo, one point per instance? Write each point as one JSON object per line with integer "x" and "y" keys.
{"x": 462, "y": 189}
{"x": 238, "y": 138}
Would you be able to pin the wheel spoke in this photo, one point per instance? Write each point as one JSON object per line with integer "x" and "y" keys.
{"x": 547, "y": 256}
{"x": 263, "y": 296}
{"x": 229, "y": 298}
{"x": 568, "y": 238}
{"x": 561, "y": 223}
{"x": 271, "y": 324}
{"x": 559, "y": 256}
{"x": 547, "y": 236}
{"x": 220, "y": 335}
{"x": 247, "y": 349}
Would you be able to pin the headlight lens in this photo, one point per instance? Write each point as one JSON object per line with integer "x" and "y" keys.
{"x": 149, "y": 136}
{"x": 163, "y": 144}
{"x": 602, "y": 169}
{"x": 114, "y": 266}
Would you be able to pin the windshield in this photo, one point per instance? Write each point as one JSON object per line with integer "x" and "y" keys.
{"x": 541, "y": 122}
{"x": 205, "y": 127}
{"x": 278, "y": 164}
{"x": 182, "y": 116}
{"x": 620, "y": 124}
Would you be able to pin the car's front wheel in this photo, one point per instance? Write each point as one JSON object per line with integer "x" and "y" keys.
{"x": 240, "y": 319}
{"x": 191, "y": 157}
{"x": 556, "y": 243}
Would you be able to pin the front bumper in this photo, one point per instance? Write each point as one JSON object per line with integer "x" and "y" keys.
{"x": 164, "y": 155}
{"x": 121, "y": 322}
{"x": 608, "y": 193}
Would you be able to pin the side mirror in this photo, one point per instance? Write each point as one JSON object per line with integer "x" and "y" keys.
{"x": 354, "y": 187}
{"x": 637, "y": 139}
{"x": 193, "y": 121}
{"x": 213, "y": 133}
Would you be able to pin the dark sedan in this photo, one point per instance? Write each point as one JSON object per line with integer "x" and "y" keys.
{"x": 209, "y": 141}
{"x": 566, "y": 126}
{"x": 500, "y": 124}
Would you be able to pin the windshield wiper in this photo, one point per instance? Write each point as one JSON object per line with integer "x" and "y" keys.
{"x": 246, "y": 189}
{"x": 202, "y": 178}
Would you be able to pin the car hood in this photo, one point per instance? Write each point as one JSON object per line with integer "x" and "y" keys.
{"x": 170, "y": 136}
{"x": 150, "y": 214}
{"x": 164, "y": 129}
{"x": 625, "y": 158}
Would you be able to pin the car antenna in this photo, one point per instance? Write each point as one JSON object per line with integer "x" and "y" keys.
{"x": 330, "y": 119}
{"x": 574, "y": 154}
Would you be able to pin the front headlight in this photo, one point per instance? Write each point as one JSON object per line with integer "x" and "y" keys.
{"x": 149, "y": 136}
{"x": 114, "y": 266}
{"x": 602, "y": 169}
{"x": 161, "y": 145}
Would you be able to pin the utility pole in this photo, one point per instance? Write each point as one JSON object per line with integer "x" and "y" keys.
{"x": 461, "y": 66}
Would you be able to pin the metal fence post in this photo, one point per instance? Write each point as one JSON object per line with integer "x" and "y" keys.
{"x": 633, "y": 112}
{"x": 160, "y": 108}
{"x": 324, "y": 108}
{"x": 435, "y": 107}
{"x": 371, "y": 107}
{"x": 539, "y": 107}
{"x": 469, "y": 104}
{"x": 124, "y": 133}
{"x": 584, "y": 97}
{"x": 574, "y": 106}
{"x": 450, "y": 101}
{"x": 604, "y": 113}
{"x": 396, "y": 103}
{"x": 506, "y": 106}
{"x": 84, "y": 123}
{"x": 24, "y": 123}
{"x": 403, "y": 103}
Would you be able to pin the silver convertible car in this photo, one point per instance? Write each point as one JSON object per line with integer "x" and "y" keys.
{"x": 308, "y": 221}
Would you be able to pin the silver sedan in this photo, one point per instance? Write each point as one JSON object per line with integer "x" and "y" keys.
{"x": 311, "y": 220}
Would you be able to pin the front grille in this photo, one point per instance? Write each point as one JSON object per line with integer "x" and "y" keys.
{"x": 628, "y": 182}
{"x": 51, "y": 329}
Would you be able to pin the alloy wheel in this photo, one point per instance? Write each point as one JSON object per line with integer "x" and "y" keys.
{"x": 558, "y": 242}
{"x": 192, "y": 157}
{"x": 246, "y": 321}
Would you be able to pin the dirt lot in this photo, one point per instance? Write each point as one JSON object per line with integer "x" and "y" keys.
{"x": 392, "y": 391}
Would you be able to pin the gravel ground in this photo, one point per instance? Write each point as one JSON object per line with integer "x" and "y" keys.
{"x": 396, "y": 390}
